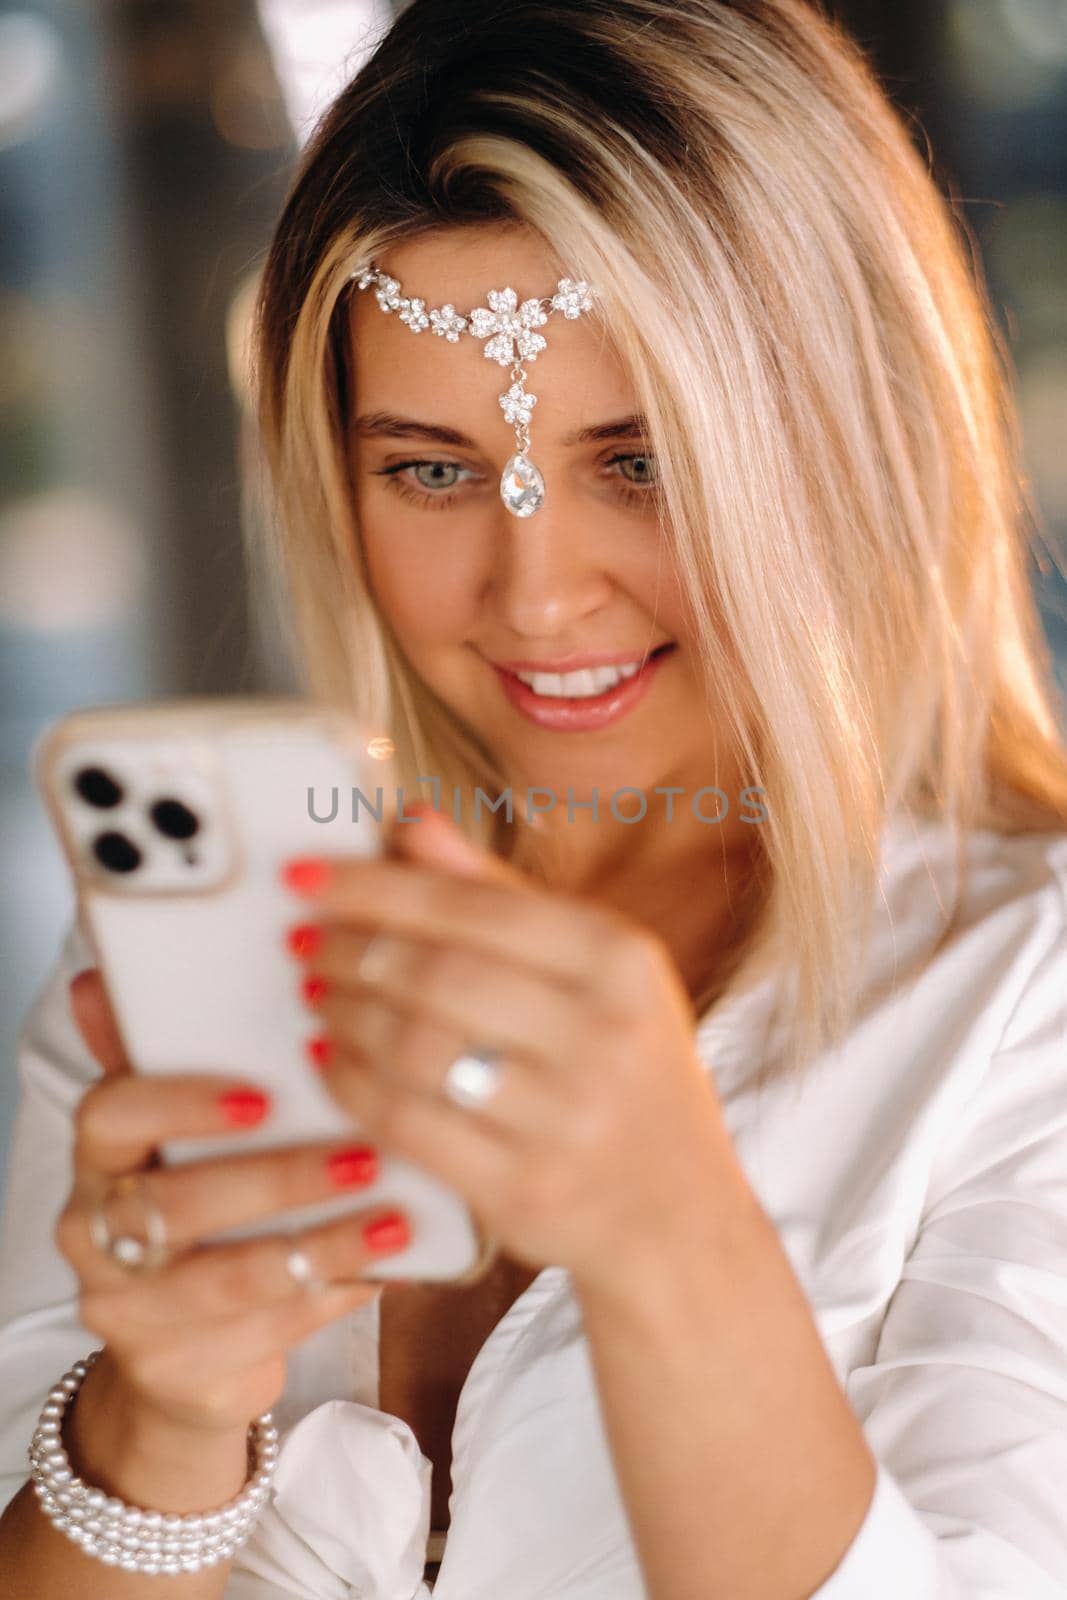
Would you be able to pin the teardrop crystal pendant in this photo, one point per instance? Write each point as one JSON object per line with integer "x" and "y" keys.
{"x": 522, "y": 487}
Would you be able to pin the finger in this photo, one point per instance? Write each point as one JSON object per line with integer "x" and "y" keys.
{"x": 232, "y": 1345}
{"x": 500, "y": 1004}
{"x": 409, "y": 1052}
{"x": 432, "y": 837}
{"x": 199, "y": 1198}
{"x": 460, "y": 1145}
{"x": 120, "y": 1120}
{"x": 218, "y": 1282}
{"x": 96, "y": 1021}
{"x": 563, "y": 937}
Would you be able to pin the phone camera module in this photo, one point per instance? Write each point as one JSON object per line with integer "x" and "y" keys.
{"x": 174, "y": 819}
{"x": 117, "y": 853}
{"x": 97, "y": 787}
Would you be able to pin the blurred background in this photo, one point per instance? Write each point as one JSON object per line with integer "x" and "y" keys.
{"x": 145, "y": 148}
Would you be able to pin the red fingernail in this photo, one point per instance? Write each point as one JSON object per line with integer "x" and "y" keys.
{"x": 304, "y": 940}
{"x": 417, "y": 808}
{"x": 388, "y": 1232}
{"x": 356, "y": 1165}
{"x": 320, "y": 1050}
{"x": 313, "y": 988}
{"x": 244, "y": 1106}
{"x": 308, "y": 875}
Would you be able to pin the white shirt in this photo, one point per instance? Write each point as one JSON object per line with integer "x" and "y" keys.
{"x": 918, "y": 1181}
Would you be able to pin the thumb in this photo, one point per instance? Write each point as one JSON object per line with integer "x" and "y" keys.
{"x": 96, "y": 1022}
{"x": 435, "y": 841}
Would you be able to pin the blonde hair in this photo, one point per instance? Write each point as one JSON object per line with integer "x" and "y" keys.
{"x": 827, "y": 400}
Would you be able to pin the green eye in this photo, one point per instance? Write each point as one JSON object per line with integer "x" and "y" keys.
{"x": 432, "y": 491}
{"x": 645, "y": 476}
{"x": 434, "y": 471}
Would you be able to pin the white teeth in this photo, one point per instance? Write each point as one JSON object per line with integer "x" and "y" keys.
{"x": 577, "y": 685}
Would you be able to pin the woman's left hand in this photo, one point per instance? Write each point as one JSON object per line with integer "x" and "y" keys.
{"x": 604, "y": 1138}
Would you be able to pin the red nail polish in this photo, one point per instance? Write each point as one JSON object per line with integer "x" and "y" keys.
{"x": 359, "y": 1164}
{"x": 387, "y": 1232}
{"x": 304, "y": 940}
{"x": 313, "y": 988}
{"x": 243, "y": 1107}
{"x": 308, "y": 875}
{"x": 320, "y": 1050}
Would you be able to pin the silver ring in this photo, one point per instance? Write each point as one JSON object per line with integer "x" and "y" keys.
{"x": 367, "y": 971}
{"x": 299, "y": 1267}
{"x": 473, "y": 1079}
{"x": 125, "y": 1249}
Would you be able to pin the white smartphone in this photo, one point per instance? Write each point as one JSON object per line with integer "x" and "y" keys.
{"x": 175, "y": 818}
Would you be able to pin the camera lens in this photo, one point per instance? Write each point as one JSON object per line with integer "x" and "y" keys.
{"x": 97, "y": 787}
{"x": 174, "y": 819}
{"x": 115, "y": 852}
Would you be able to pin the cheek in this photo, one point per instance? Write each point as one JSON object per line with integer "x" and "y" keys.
{"x": 421, "y": 584}
{"x": 651, "y": 577}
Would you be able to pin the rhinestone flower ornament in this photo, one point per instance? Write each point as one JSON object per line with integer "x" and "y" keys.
{"x": 511, "y": 338}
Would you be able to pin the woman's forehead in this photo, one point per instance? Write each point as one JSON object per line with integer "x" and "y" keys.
{"x": 577, "y": 384}
{"x": 461, "y": 265}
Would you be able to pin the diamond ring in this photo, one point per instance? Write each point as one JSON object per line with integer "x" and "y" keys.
{"x": 473, "y": 1079}
{"x": 126, "y": 1249}
{"x": 299, "y": 1266}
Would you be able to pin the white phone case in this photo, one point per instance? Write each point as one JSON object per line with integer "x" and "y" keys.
{"x": 190, "y": 939}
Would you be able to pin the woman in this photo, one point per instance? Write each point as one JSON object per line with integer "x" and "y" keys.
{"x": 773, "y": 1140}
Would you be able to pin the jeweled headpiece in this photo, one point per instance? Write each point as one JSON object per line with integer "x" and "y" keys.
{"x": 510, "y": 330}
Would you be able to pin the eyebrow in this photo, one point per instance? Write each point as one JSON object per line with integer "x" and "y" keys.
{"x": 385, "y": 425}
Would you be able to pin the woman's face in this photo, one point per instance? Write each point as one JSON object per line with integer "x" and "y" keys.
{"x": 465, "y": 584}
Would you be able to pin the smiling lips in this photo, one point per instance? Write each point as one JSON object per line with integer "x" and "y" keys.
{"x": 595, "y": 705}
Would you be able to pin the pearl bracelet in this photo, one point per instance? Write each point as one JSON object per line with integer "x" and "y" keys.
{"x": 127, "y": 1536}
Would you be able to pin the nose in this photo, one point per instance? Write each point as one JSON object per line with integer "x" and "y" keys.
{"x": 547, "y": 571}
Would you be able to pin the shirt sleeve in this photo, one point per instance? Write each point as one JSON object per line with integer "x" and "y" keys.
{"x": 316, "y": 46}
{"x": 965, "y": 1402}
{"x": 40, "y": 1331}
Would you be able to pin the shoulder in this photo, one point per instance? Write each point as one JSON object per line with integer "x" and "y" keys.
{"x": 968, "y": 1028}
{"x": 952, "y": 1078}
{"x": 1005, "y": 946}
{"x": 936, "y": 995}
{"x": 951, "y": 1015}
{"x": 1000, "y": 867}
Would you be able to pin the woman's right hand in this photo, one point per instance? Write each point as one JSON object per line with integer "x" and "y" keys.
{"x": 202, "y": 1340}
